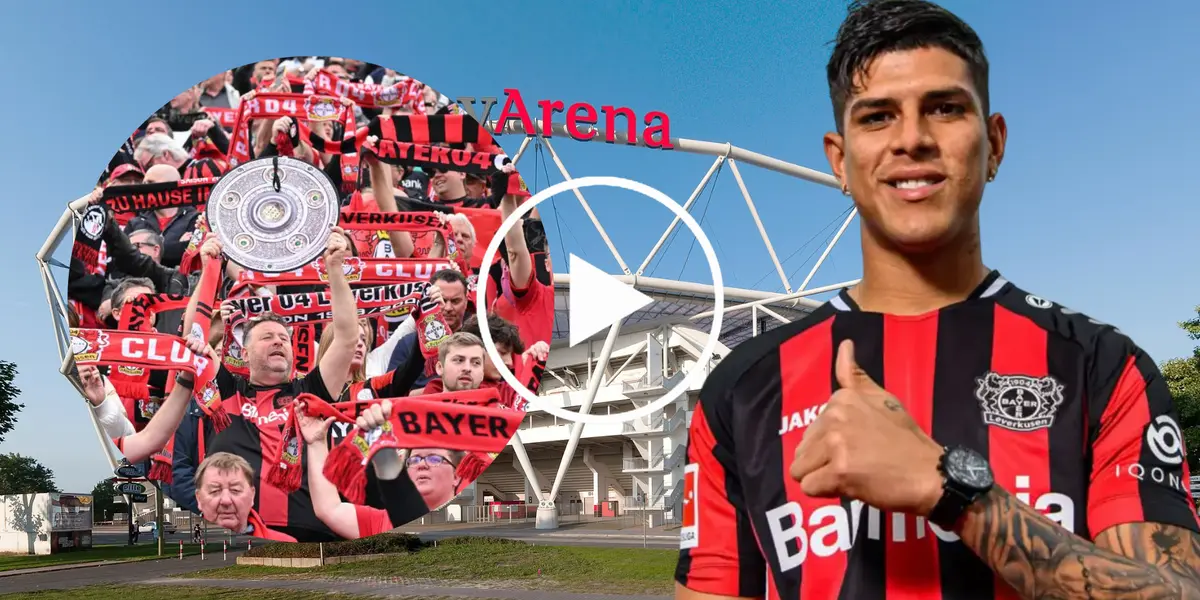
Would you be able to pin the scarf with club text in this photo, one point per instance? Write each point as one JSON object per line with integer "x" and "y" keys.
{"x": 411, "y": 222}
{"x": 420, "y": 129}
{"x": 224, "y": 117}
{"x": 406, "y": 93}
{"x": 285, "y": 465}
{"x": 275, "y": 105}
{"x": 116, "y": 348}
{"x": 317, "y": 307}
{"x": 151, "y": 196}
{"x": 131, "y": 382}
{"x": 371, "y": 271}
{"x": 430, "y": 421}
{"x": 486, "y": 222}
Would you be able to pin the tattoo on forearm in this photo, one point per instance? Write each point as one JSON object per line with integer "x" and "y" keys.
{"x": 1039, "y": 559}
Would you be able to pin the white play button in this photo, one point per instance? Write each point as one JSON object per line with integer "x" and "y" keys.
{"x": 598, "y": 300}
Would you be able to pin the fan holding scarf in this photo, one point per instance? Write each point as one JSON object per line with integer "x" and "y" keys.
{"x": 259, "y": 405}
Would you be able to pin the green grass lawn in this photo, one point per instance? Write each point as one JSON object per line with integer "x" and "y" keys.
{"x": 152, "y": 592}
{"x": 9, "y": 562}
{"x": 502, "y": 564}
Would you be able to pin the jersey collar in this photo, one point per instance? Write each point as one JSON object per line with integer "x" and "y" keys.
{"x": 989, "y": 287}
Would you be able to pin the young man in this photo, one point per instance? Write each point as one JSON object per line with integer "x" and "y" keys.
{"x": 934, "y": 432}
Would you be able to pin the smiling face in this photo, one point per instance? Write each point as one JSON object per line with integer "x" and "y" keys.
{"x": 917, "y": 150}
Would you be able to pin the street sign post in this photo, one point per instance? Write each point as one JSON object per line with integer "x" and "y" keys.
{"x": 129, "y": 471}
{"x": 131, "y": 487}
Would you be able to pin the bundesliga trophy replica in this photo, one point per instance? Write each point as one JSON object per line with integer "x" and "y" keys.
{"x": 274, "y": 214}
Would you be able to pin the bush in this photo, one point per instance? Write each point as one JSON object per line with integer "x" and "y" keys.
{"x": 464, "y": 540}
{"x": 388, "y": 543}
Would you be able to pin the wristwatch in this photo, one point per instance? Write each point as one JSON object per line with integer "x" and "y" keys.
{"x": 966, "y": 477}
{"x": 185, "y": 380}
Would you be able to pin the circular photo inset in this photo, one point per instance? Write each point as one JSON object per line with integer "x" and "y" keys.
{"x": 272, "y": 304}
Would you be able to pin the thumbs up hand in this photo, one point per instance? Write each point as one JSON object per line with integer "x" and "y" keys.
{"x": 865, "y": 446}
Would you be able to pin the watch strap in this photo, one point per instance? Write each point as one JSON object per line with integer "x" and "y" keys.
{"x": 956, "y": 498}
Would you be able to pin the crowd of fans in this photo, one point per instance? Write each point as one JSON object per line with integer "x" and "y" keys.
{"x": 260, "y": 445}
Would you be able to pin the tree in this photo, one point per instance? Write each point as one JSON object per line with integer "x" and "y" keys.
{"x": 103, "y": 502}
{"x": 24, "y": 475}
{"x": 8, "y": 398}
{"x": 1183, "y": 379}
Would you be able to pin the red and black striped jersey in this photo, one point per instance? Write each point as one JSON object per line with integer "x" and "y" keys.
{"x": 1075, "y": 419}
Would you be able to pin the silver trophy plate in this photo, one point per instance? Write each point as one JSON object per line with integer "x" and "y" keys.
{"x": 271, "y": 230}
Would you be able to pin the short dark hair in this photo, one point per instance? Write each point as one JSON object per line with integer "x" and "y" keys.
{"x": 503, "y": 332}
{"x": 259, "y": 319}
{"x": 450, "y": 276}
{"x": 875, "y": 27}
{"x": 118, "y": 294}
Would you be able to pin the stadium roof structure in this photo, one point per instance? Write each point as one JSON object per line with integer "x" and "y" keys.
{"x": 747, "y": 312}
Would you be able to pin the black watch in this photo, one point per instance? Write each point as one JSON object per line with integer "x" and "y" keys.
{"x": 185, "y": 380}
{"x": 967, "y": 476}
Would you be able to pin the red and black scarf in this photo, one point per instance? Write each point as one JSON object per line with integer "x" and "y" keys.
{"x": 468, "y": 421}
{"x": 405, "y": 93}
{"x": 152, "y": 196}
{"x": 273, "y": 105}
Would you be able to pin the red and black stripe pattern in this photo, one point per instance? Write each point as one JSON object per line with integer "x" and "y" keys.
{"x": 1075, "y": 419}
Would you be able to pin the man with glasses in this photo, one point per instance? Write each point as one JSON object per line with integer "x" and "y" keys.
{"x": 174, "y": 223}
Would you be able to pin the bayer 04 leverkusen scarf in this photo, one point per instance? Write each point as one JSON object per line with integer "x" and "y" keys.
{"x": 405, "y": 93}
{"x": 152, "y": 196}
{"x": 131, "y": 382}
{"x": 285, "y": 463}
{"x": 301, "y": 108}
{"x": 317, "y": 307}
{"x": 412, "y": 222}
{"x": 464, "y": 421}
{"x": 102, "y": 347}
{"x": 371, "y": 271}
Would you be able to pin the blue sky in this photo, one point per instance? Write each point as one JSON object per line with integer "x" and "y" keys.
{"x": 1092, "y": 207}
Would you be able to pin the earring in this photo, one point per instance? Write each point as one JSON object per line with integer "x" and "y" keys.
{"x": 845, "y": 190}
{"x": 991, "y": 177}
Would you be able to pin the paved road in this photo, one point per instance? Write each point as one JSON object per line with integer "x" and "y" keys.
{"x": 589, "y": 538}
{"x": 130, "y": 573}
{"x": 397, "y": 587}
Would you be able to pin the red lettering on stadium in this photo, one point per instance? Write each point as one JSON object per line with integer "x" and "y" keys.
{"x": 657, "y": 132}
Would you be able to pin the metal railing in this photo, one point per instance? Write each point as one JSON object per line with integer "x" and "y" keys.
{"x": 655, "y": 425}
{"x": 643, "y": 464}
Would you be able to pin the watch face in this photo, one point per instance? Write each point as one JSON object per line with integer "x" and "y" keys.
{"x": 968, "y": 468}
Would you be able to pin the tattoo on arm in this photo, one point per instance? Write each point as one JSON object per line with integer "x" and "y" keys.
{"x": 1039, "y": 559}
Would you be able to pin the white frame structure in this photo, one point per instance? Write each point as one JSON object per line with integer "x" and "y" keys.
{"x": 757, "y": 302}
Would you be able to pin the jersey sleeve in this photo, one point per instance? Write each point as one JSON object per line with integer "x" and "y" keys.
{"x": 1139, "y": 466}
{"x": 371, "y": 521}
{"x": 718, "y": 553}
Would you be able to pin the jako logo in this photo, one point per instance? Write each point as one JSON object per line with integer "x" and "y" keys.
{"x": 800, "y": 420}
{"x": 831, "y": 528}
